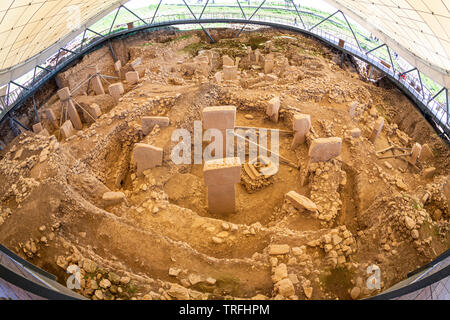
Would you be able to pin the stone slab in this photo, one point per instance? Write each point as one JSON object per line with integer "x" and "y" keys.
{"x": 149, "y": 122}
{"x": 146, "y": 157}
{"x": 219, "y": 117}
{"x": 222, "y": 171}
{"x": 324, "y": 149}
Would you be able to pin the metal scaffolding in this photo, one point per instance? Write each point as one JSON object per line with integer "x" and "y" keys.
{"x": 15, "y": 99}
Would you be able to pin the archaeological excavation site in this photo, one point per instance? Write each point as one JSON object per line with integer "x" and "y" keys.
{"x": 227, "y": 162}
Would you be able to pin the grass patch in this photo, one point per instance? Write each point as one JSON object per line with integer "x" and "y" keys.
{"x": 194, "y": 48}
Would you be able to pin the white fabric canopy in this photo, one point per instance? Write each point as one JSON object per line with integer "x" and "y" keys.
{"x": 33, "y": 30}
{"x": 419, "y": 30}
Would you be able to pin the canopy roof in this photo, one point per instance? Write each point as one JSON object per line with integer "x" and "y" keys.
{"x": 33, "y": 30}
{"x": 418, "y": 30}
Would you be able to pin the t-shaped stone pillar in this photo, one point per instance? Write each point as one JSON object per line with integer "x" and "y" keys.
{"x": 324, "y": 149}
{"x": 96, "y": 81}
{"x": 273, "y": 107}
{"x": 116, "y": 90}
{"x": 227, "y": 61}
{"x": 268, "y": 64}
{"x": 377, "y": 127}
{"x": 66, "y": 100}
{"x": 146, "y": 157}
{"x": 221, "y": 118}
{"x": 229, "y": 72}
{"x": 415, "y": 153}
{"x": 301, "y": 126}
{"x": 220, "y": 177}
{"x": 132, "y": 77}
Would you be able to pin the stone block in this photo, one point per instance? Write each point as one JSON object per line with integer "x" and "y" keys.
{"x": 378, "y": 126}
{"x": 227, "y": 61}
{"x": 44, "y": 132}
{"x": 67, "y": 129}
{"x": 141, "y": 70}
{"x": 273, "y": 108}
{"x": 73, "y": 115}
{"x": 132, "y": 77}
{"x": 324, "y": 149}
{"x": 301, "y": 126}
{"x": 301, "y": 202}
{"x": 222, "y": 171}
{"x": 278, "y": 249}
{"x": 51, "y": 117}
{"x": 97, "y": 85}
{"x": 147, "y": 157}
{"x": 135, "y": 63}
{"x": 355, "y": 133}
{"x": 93, "y": 110}
{"x": 113, "y": 198}
{"x": 37, "y": 127}
{"x": 268, "y": 65}
{"x": 428, "y": 173}
{"x": 118, "y": 65}
{"x": 415, "y": 153}
{"x": 64, "y": 94}
{"x": 426, "y": 153}
{"x": 116, "y": 90}
{"x": 92, "y": 70}
{"x": 229, "y": 72}
{"x": 219, "y": 117}
{"x": 149, "y": 122}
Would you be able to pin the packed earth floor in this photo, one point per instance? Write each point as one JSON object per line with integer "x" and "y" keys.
{"x": 76, "y": 197}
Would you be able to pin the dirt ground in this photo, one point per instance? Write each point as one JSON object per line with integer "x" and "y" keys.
{"x": 161, "y": 242}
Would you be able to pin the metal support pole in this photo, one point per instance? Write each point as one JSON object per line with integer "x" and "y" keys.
{"x": 421, "y": 84}
{"x": 11, "y": 118}
{"x": 298, "y": 13}
{"x": 82, "y": 40}
{"x": 36, "y": 115}
{"x": 57, "y": 57}
{"x": 204, "y": 30}
{"x": 43, "y": 68}
{"x": 7, "y": 95}
{"x": 243, "y": 27}
{"x": 113, "y": 54}
{"x": 446, "y": 103}
{"x": 390, "y": 57}
{"x": 350, "y": 27}
{"x": 67, "y": 50}
{"x": 403, "y": 73}
{"x": 156, "y": 11}
{"x": 242, "y": 10}
{"x": 19, "y": 85}
{"x": 376, "y": 48}
{"x": 440, "y": 91}
{"x": 201, "y": 14}
{"x": 371, "y": 72}
{"x": 115, "y": 17}
{"x": 34, "y": 76}
{"x": 134, "y": 14}
{"x": 95, "y": 32}
{"x": 324, "y": 20}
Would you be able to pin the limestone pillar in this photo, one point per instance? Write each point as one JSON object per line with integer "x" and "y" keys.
{"x": 378, "y": 126}
{"x": 146, "y": 157}
{"x": 116, "y": 90}
{"x": 67, "y": 102}
{"x": 96, "y": 81}
{"x": 415, "y": 153}
{"x": 220, "y": 177}
{"x": 301, "y": 126}
{"x": 324, "y": 149}
{"x": 273, "y": 108}
{"x": 221, "y": 118}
